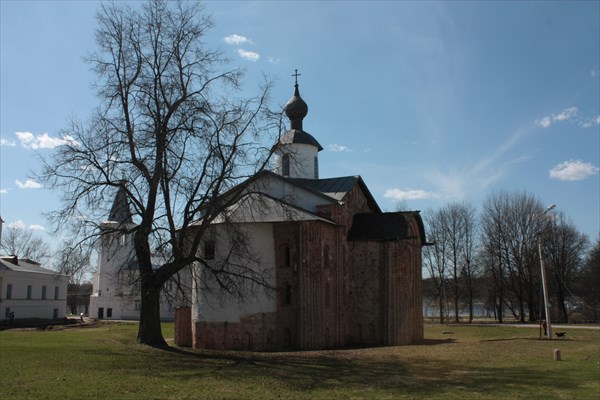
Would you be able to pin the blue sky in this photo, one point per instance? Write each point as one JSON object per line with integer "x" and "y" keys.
{"x": 430, "y": 102}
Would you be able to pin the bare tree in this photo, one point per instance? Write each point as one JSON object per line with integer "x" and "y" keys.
{"x": 588, "y": 288}
{"x": 174, "y": 135}
{"x": 510, "y": 223}
{"x": 435, "y": 258}
{"x": 453, "y": 228}
{"x": 24, "y": 243}
{"x": 73, "y": 259}
{"x": 565, "y": 248}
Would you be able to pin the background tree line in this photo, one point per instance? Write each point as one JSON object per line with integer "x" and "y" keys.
{"x": 492, "y": 257}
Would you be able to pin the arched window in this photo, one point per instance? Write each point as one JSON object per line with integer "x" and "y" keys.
{"x": 285, "y": 165}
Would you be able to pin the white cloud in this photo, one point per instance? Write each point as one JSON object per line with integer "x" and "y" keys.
{"x": 30, "y": 141}
{"x": 273, "y": 60}
{"x": 338, "y": 148}
{"x": 564, "y": 115}
{"x": 544, "y": 122}
{"x": 573, "y": 170}
{"x": 21, "y": 225}
{"x": 6, "y": 142}
{"x": 410, "y": 194}
{"x": 29, "y": 184}
{"x": 236, "y": 39}
{"x": 3, "y": 191}
{"x": 248, "y": 55}
{"x": 17, "y": 224}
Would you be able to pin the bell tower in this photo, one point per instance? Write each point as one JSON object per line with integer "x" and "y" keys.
{"x": 297, "y": 154}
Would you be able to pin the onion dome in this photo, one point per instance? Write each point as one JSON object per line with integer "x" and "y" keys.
{"x": 296, "y": 109}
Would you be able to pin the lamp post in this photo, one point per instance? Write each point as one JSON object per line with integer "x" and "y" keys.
{"x": 543, "y": 269}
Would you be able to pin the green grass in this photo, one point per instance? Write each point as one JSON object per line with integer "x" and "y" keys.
{"x": 474, "y": 362}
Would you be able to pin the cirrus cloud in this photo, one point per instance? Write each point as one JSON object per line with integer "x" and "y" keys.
{"x": 573, "y": 170}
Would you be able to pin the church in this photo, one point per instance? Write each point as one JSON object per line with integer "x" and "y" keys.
{"x": 343, "y": 272}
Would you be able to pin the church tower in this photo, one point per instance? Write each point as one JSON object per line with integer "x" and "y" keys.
{"x": 115, "y": 255}
{"x": 297, "y": 154}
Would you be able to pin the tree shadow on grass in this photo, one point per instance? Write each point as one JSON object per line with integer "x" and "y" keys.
{"x": 371, "y": 370}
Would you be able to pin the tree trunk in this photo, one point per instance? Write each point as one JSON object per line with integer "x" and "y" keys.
{"x": 150, "y": 332}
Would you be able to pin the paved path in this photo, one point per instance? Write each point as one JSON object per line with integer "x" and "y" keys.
{"x": 554, "y": 326}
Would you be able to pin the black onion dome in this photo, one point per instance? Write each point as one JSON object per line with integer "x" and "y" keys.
{"x": 296, "y": 109}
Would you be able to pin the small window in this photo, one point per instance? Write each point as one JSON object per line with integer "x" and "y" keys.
{"x": 9, "y": 291}
{"x": 209, "y": 249}
{"x": 29, "y": 289}
{"x": 56, "y": 289}
{"x": 138, "y": 305}
{"x": 109, "y": 313}
{"x": 287, "y": 259}
{"x": 316, "y": 167}
{"x": 7, "y": 312}
{"x": 288, "y": 294}
{"x": 55, "y": 313}
{"x": 285, "y": 165}
{"x": 44, "y": 292}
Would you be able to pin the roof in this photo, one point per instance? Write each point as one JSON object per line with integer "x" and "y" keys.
{"x": 120, "y": 211}
{"x": 336, "y": 188}
{"x": 299, "y": 136}
{"x": 384, "y": 226}
{"x": 13, "y": 263}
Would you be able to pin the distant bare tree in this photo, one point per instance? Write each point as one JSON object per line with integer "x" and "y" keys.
{"x": 435, "y": 257}
{"x": 565, "y": 249}
{"x": 174, "y": 134}
{"x": 509, "y": 228}
{"x": 73, "y": 259}
{"x": 589, "y": 288}
{"x": 24, "y": 243}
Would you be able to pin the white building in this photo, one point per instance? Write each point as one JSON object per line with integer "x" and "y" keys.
{"x": 29, "y": 291}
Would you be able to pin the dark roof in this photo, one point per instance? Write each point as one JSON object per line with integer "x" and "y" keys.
{"x": 382, "y": 226}
{"x": 337, "y": 188}
{"x": 13, "y": 263}
{"x": 332, "y": 187}
{"x": 299, "y": 136}
{"x": 120, "y": 211}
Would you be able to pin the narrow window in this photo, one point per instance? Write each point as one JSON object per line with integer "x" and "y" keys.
{"x": 326, "y": 256}
{"x": 285, "y": 165}
{"x": 9, "y": 291}
{"x": 288, "y": 294}
{"x": 287, "y": 257}
{"x": 56, "y": 292}
{"x": 55, "y": 313}
{"x": 109, "y": 313}
{"x": 138, "y": 305}
{"x": 7, "y": 313}
{"x": 316, "y": 167}
{"x": 44, "y": 292}
{"x": 29, "y": 289}
{"x": 209, "y": 249}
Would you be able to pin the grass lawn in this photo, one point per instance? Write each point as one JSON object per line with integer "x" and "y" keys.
{"x": 473, "y": 362}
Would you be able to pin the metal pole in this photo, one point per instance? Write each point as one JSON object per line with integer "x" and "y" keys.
{"x": 545, "y": 288}
{"x": 543, "y": 269}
